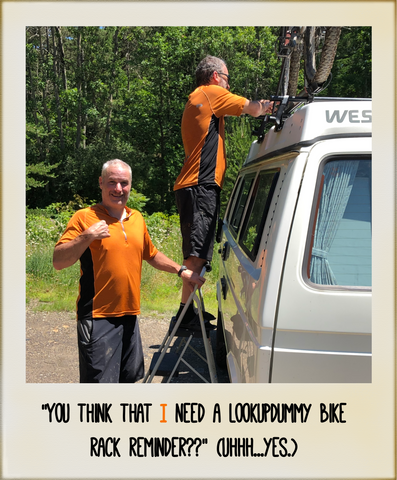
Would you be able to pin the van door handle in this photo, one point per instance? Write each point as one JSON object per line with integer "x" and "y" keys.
{"x": 225, "y": 251}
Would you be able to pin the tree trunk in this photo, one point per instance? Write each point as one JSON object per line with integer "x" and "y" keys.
{"x": 32, "y": 95}
{"x": 56, "y": 91}
{"x": 78, "y": 75}
{"x": 110, "y": 109}
{"x": 44, "y": 61}
{"x": 62, "y": 57}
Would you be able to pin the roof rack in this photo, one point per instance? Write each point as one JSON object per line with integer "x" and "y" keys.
{"x": 285, "y": 106}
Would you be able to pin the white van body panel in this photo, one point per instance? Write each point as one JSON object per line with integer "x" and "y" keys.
{"x": 277, "y": 325}
{"x": 341, "y": 335}
{"x": 316, "y": 121}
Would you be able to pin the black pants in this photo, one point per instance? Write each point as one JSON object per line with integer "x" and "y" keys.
{"x": 110, "y": 350}
{"x": 198, "y": 208}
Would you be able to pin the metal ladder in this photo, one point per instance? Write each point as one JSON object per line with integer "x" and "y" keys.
{"x": 164, "y": 362}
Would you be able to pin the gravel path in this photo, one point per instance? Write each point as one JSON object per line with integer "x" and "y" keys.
{"x": 52, "y": 355}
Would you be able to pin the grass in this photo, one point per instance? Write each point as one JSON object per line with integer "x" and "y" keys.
{"x": 51, "y": 290}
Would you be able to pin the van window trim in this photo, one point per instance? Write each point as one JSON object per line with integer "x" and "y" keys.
{"x": 312, "y": 220}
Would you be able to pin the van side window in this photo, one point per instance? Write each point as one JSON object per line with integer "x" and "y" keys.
{"x": 340, "y": 248}
{"x": 257, "y": 211}
{"x": 239, "y": 207}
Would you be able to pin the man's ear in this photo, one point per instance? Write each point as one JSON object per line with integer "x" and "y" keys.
{"x": 100, "y": 183}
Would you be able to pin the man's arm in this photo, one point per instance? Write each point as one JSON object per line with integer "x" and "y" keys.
{"x": 67, "y": 254}
{"x": 258, "y": 107}
{"x": 162, "y": 262}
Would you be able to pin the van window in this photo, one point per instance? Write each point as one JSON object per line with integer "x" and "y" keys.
{"x": 340, "y": 250}
{"x": 257, "y": 211}
{"x": 242, "y": 198}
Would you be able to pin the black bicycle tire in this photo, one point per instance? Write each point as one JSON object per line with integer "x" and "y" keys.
{"x": 328, "y": 54}
{"x": 294, "y": 71}
{"x": 309, "y": 52}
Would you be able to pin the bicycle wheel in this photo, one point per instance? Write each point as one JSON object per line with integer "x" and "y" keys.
{"x": 309, "y": 50}
{"x": 317, "y": 75}
{"x": 294, "y": 68}
{"x": 328, "y": 54}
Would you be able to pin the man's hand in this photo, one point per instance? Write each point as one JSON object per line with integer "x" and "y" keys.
{"x": 267, "y": 106}
{"x": 98, "y": 231}
{"x": 193, "y": 279}
{"x": 67, "y": 254}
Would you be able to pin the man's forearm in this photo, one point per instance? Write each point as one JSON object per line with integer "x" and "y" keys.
{"x": 162, "y": 262}
{"x": 257, "y": 107}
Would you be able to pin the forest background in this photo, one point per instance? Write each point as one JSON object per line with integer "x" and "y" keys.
{"x": 96, "y": 93}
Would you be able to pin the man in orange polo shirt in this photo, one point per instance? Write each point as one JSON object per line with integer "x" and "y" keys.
{"x": 110, "y": 240}
{"x": 197, "y": 188}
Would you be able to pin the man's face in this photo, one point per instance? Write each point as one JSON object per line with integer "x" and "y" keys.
{"x": 223, "y": 78}
{"x": 115, "y": 186}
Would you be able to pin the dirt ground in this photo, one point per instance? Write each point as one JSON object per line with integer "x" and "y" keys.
{"x": 52, "y": 355}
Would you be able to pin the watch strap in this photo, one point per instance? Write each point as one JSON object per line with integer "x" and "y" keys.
{"x": 182, "y": 269}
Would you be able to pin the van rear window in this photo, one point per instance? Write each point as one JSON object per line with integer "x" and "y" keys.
{"x": 341, "y": 239}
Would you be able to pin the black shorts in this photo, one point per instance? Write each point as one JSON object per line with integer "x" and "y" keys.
{"x": 110, "y": 350}
{"x": 198, "y": 208}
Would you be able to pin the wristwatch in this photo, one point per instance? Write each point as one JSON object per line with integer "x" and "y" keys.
{"x": 182, "y": 269}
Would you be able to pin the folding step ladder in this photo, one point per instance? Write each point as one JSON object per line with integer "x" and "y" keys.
{"x": 165, "y": 363}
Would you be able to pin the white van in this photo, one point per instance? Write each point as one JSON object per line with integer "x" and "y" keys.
{"x": 294, "y": 289}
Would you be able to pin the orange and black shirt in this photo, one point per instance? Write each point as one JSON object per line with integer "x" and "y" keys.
{"x": 110, "y": 269}
{"x": 203, "y": 135}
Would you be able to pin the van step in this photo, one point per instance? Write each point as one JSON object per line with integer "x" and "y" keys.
{"x": 166, "y": 366}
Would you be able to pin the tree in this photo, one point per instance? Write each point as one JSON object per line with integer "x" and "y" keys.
{"x": 352, "y": 70}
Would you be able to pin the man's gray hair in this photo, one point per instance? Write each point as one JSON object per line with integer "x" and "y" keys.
{"x": 115, "y": 161}
{"x": 207, "y": 67}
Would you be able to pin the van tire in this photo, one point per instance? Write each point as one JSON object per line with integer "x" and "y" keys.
{"x": 220, "y": 346}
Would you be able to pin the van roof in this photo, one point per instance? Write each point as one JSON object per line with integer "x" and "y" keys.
{"x": 316, "y": 121}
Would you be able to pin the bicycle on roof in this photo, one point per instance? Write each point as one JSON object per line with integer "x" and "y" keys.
{"x": 315, "y": 47}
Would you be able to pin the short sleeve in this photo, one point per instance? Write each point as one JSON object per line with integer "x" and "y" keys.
{"x": 73, "y": 229}
{"x": 225, "y": 103}
{"x": 149, "y": 250}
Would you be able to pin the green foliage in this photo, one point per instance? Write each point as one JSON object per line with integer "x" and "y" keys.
{"x": 40, "y": 169}
{"x": 45, "y": 225}
{"x": 137, "y": 200}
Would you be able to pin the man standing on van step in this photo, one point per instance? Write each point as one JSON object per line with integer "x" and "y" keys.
{"x": 110, "y": 240}
{"x": 197, "y": 188}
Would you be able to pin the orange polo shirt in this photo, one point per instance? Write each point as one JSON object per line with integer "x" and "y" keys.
{"x": 203, "y": 135}
{"x": 110, "y": 274}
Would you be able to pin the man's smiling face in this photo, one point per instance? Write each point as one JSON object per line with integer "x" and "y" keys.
{"x": 115, "y": 186}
